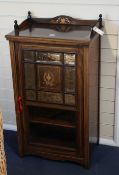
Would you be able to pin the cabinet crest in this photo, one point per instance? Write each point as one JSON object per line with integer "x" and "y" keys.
{"x": 62, "y": 20}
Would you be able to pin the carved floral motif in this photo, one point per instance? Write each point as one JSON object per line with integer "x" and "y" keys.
{"x": 62, "y": 20}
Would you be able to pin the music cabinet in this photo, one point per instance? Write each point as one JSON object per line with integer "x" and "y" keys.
{"x": 55, "y": 67}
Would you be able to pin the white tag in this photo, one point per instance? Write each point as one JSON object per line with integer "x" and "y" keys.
{"x": 96, "y": 29}
{"x": 51, "y": 35}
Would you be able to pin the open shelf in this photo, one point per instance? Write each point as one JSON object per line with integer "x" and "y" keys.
{"x": 51, "y": 136}
{"x": 55, "y": 117}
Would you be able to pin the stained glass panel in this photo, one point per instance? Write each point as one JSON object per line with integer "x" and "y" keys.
{"x": 49, "y": 58}
{"x": 70, "y": 79}
{"x": 30, "y": 95}
{"x": 50, "y": 97}
{"x": 69, "y": 99}
{"x": 29, "y": 55}
{"x": 29, "y": 70}
{"x": 69, "y": 59}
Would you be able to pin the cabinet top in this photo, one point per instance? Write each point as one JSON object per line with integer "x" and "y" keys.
{"x": 58, "y": 29}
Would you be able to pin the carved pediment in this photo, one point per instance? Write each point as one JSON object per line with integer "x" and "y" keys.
{"x": 62, "y": 20}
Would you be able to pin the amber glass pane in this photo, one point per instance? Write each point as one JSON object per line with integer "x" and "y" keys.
{"x": 69, "y": 59}
{"x": 29, "y": 55}
{"x": 49, "y": 77}
{"x": 30, "y": 95}
{"x": 69, "y": 99}
{"x": 49, "y": 58}
{"x": 29, "y": 70}
{"x": 50, "y": 97}
{"x": 70, "y": 79}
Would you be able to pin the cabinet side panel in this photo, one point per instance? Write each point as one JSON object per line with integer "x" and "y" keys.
{"x": 86, "y": 106}
{"x": 94, "y": 67}
{"x": 16, "y": 94}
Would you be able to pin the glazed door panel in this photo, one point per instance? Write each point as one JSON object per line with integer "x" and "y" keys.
{"x": 49, "y": 76}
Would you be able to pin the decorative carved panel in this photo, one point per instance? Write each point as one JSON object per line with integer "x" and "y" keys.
{"x": 62, "y": 20}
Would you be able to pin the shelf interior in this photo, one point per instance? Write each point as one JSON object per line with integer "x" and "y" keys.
{"x": 51, "y": 116}
{"x": 52, "y": 127}
{"x": 52, "y": 136}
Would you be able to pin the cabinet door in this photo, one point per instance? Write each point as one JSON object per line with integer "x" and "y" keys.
{"x": 49, "y": 79}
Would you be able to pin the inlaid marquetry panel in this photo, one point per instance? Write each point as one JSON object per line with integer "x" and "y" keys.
{"x": 49, "y": 78}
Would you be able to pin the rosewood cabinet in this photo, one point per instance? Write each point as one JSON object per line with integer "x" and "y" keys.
{"x": 55, "y": 67}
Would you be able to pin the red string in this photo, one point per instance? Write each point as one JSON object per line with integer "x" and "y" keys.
{"x": 20, "y": 106}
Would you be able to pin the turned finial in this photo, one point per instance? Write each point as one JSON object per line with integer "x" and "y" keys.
{"x": 29, "y": 18}
{"x": 29, "y": 15}
{"x": 100, "y": 20}
{"x": 16, "y": 26}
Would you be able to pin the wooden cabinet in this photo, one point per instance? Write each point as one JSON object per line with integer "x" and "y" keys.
{"x": 55, "y": 67}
